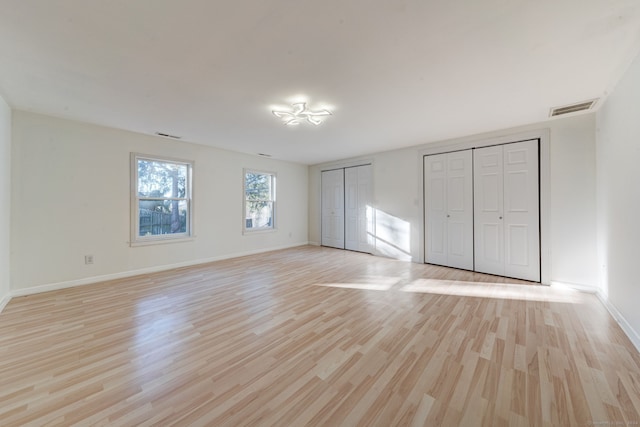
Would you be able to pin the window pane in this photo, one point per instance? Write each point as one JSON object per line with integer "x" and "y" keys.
{"x": 259, "y": 214}
{"x": 159, "y": 217}
{"x": 257, "y": 186}
{"x": 161, "y": 179}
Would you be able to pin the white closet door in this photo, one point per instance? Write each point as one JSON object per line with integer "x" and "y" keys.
{"x": 435, "y": 230}
{"x": 506, "y": 215}
{"x": 488, "y": 217}
{"x": 521, "y": 211}
{"x": 351, "y": 209}
{"x": 358, "y": 211}
{"x": 449, "y": 209}
{"x": 333, "y": 208}
{"x": 460, "y": 210}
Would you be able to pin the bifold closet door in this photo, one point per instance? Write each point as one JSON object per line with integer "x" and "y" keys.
{"x": 358, "y": 210}
{"x": 449, "y": 209}
{"x": 333, "y": 208}
{"x": 506, "y": 218}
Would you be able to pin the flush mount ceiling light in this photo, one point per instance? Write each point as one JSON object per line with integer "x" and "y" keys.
{"x": 299, "y": 113}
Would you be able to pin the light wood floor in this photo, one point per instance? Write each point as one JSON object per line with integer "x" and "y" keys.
{"x": 315, "y": 336}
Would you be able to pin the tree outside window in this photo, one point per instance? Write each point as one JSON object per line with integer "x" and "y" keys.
{"x": 260, "y": 197}
{"x": 162, "y": 199}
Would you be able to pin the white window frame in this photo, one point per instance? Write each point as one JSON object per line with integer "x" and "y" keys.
{"x": 136, "y": 239}
{"x": 274, "y": 179}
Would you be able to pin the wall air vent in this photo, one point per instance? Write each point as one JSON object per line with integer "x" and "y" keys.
{"x": 573, "y": 108}
{"x": 166, "y": 135}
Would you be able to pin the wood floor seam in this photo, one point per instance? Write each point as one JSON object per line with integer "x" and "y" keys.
{"x": 313, "y": 336}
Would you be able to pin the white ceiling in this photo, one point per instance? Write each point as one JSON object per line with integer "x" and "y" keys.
{"x": 396, "y": 72}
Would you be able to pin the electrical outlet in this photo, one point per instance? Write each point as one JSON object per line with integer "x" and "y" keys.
{"x": 88, "y": 259}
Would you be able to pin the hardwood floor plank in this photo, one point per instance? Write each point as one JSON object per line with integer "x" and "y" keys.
{"x": 315, "y": 336}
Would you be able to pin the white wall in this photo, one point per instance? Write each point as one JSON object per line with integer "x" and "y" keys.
{"x": 618, "y": 149}
{"x": 71, "y": 197}
{"x": 5, "y": 201}
{"x": 573, "y": 202}
{"x": 570, "y": 217}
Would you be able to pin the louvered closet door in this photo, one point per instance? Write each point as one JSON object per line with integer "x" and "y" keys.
{"x": 333, "y": 208}
{"x": 506, "y": 218}
{"x": 449, "y": 209}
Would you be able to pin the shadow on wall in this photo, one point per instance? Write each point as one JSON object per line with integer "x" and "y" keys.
{"x": 388, "y": 235}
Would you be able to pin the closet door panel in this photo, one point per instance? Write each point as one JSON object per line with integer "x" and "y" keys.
{"x": 506, "y": 217}
{"x": 488, "y": 215}
{"x": 351, "y": 208}
{"x": 517, "y": 245}
{"x": 521, "y": 210}
{"x": 333, "y": 208}
{"x": 359, "y": 214}
{"x": 459, "y": 210}
{"x": 491, "y": 238}
{"x": 365, "y": 209}
{"x": 449, "y": 209}
{"x": 435, "y": 205}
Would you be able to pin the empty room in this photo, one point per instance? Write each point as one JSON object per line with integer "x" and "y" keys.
{"x": 296, "y": 213}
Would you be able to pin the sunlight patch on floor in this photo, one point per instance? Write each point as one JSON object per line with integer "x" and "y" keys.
{"x": 370, "y": 283}
{"x": 494, "y": 290}
{"x": 511, "y": 291}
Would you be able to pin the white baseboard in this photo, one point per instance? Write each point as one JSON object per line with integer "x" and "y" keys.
{"x": 626, "y": 327}
{"x": 4, "y": 301}
{"x": 96, "y": 279}
{"x": 314, "y": 243}
{"x": 577, "y": 286}
{"x": 631, "y": 333}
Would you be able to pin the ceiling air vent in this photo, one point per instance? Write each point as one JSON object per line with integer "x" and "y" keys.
{"x": 573, "y": 108}
{"x": 166, "y": 135}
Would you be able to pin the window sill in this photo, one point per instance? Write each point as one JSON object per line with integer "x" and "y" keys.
{"x": 161, "y": 241}
{"x": 259, "y": 231}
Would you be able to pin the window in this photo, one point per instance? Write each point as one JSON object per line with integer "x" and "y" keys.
{"x": 161, "y": 199}
{"x": 259, "y": 200}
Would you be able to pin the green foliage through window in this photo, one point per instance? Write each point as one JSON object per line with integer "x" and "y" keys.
{"x": 162, "y": 194}
{"x": 259, "y": 191}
